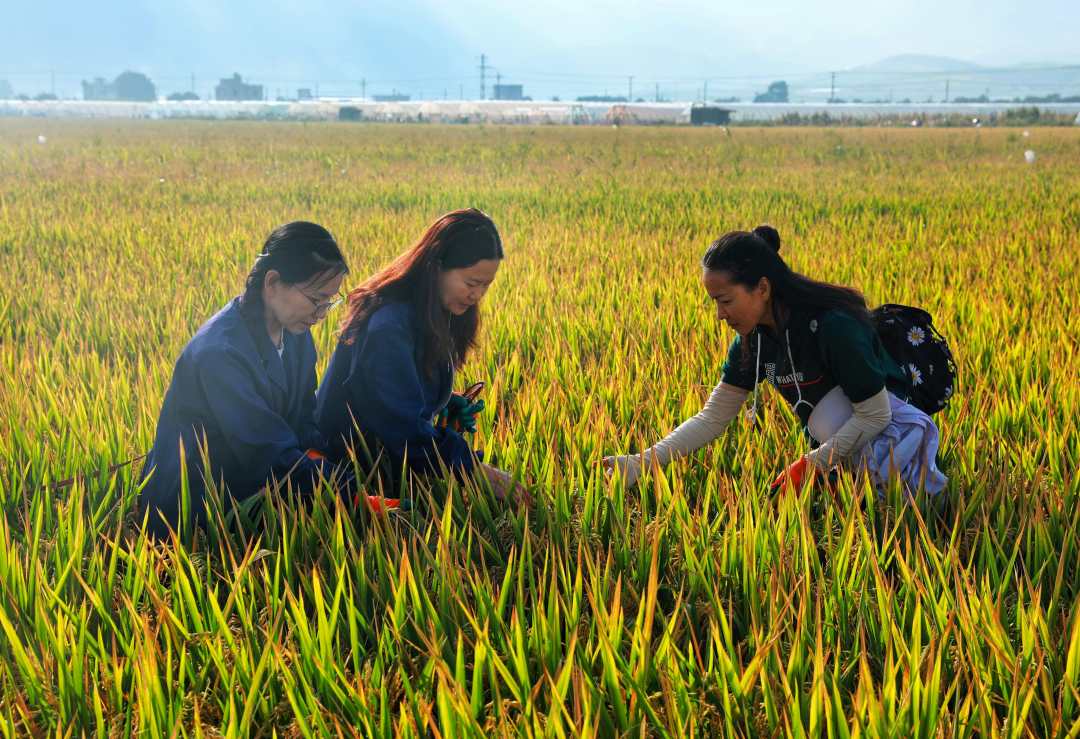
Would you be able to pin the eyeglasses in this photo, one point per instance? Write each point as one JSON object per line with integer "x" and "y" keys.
{"x": 322, "y": 308}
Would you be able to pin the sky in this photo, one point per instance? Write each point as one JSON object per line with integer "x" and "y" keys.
{"x": 432, "y": 48}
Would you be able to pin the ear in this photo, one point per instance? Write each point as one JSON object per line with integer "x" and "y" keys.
{"x": 764, "y": 287}
{"x": 271, "y": 279}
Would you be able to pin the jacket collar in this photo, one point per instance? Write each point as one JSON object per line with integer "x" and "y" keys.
{"x": 265, "y": 348}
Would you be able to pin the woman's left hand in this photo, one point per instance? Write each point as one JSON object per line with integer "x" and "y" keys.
{"x": 460, "y": 414}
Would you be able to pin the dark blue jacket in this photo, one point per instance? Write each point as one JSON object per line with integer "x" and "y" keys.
{"x": 378, "y": 380}
{"x": 255, "y": 408}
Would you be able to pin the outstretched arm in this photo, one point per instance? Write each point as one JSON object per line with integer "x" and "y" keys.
{"x": 720, "y": 409}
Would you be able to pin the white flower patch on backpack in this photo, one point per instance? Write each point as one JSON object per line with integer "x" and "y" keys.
{"x": 916, "y": 374}
{"x": 916, "y": 335}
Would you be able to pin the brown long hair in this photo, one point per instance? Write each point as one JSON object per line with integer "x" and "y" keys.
{"x": 458, "y": 239}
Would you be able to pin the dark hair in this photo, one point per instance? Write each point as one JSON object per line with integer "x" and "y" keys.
{"x": 747, "y": 256}
{"x": 455, "y": 240}
{"x": 299, "y": 251}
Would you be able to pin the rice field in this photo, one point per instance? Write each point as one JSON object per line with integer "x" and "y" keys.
{"x": 693, "y": 605}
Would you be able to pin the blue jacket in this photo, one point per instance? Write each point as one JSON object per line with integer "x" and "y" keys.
{"x": 378, "y": 380}
{"x": 255, "y": 408}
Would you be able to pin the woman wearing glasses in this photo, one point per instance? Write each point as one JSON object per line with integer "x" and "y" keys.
{"x": 243, "y": 389}
{"x": 409, "y": 328}
{"x": 815, "y": 343}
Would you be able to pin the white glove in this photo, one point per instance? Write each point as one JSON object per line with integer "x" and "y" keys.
{"x": 628, "y": 465}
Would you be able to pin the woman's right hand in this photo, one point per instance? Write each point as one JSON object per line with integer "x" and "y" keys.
{"x": 505, "y": 487}
{"x": 628, "y": 465}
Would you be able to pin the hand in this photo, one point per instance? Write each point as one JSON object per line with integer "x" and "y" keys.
{"x": 629, "y": 466}
{"x": 504, "y": 486}
{"x": 795, "y": 474}
{"x": 460, "y": 414}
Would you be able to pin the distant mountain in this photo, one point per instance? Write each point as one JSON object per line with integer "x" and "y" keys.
{"x": 924, "y": 78}
{"x": 916, "y": 63}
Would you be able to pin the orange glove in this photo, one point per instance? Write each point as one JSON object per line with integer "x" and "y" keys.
{"x": 795, "y": 474}
{"x": 314, "y": 455}
{"x": 380, "y": 505}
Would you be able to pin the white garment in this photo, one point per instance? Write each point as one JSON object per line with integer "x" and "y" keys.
{"x": 908, "y": 448}
{"x": 905, "y": 444}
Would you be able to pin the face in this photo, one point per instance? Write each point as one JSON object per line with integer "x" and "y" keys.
{"x": 741, "y": 307}
{"x": 299, "y": 307}
{"x": 461, "y": 289}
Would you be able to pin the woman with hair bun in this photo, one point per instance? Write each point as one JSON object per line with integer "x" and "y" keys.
{"x": 244, "y": 386}
{"x": 815, "y": 343}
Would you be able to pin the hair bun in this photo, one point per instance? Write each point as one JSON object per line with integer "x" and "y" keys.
{"x": 769, "y": 235}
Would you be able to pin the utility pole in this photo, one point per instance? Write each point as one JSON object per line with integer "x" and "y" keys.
{"x": 630, "y": 89}
{"x": 363, "y": 87}
{"x": 460, "y": 91}
{"x": 483, "y": 76}
{"x": 832, "y": 87}
{"x": 657, "y": 92}
{"x": 705, "y": 97}
{"x": 498, "y": 84}
{"x": 946, "y": 90}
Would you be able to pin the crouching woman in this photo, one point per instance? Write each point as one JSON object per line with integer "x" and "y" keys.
{"x": 408, "y": 330}
{"x": 243, "y": 390}
{"x": 814, "y": 343}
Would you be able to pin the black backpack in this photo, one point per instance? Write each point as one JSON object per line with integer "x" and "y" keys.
{"x": 922, "y": 353}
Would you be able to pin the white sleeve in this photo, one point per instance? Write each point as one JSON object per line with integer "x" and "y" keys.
{"x": 721, "y": 407}
{"x": 869, "y": 419}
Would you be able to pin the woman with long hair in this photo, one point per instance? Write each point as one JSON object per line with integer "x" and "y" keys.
{"x": 242, "y": 393}
{"x": 408, "y": 330}
{"x": 815, "y": 343}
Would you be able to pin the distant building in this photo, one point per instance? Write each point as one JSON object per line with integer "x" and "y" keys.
{"x": 135, "y": 86}
{"x": 602, "y": 99}
{"x": 709, "y": 115}
{"x": 234, "y": 88}
{"x": 394, "y": 97}
{"x": 127, "y": 86}
{"x": 350, "y": 113}
{"x": 304, "y": 93}
{"x": 509, "y": 92}
{"x": 179, "y": 97}
{"x": 6, "y": 93}
{"x": 777, "y": 93}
